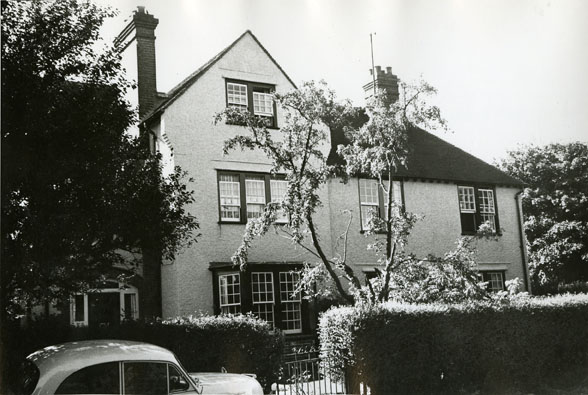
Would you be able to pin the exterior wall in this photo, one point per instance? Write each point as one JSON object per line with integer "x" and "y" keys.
{"x": 197, "y": 146}
{"x": 438, "y": 228}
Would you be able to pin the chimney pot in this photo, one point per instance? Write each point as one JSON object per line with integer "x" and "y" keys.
{"x": 141, "y": 9}
{"x": 389, "y": 70}
{"x": 371, "y": 72}
{"x": 378, "y": 69}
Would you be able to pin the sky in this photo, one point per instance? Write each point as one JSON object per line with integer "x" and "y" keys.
{"x": 508, "y": 73}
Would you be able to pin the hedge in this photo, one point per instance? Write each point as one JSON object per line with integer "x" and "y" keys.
{"x": 491, "y": 347}
{"x": 239, "y": 343}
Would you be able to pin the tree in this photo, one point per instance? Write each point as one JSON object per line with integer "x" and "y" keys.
{"x": 77, "y": 190}
{"x": 377, "y": 149}
{"x": 555, "y": 208}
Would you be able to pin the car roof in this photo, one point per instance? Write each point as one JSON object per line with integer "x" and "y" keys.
{"x": 63, "y": 359}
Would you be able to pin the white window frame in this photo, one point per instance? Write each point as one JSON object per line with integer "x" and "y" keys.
{"x": 379, "y": 205}
{"x": 281, "y": 216}
{"x": 487, "y": 207}
{"x": 288, "y": 285}
{"x": 262, "y": 306}
{"x": 122, "y": 290}
{"x": 266, "y": 101}
{"x": 236, "y": 89}
{"x": 467, "y": 199}
{"x": 221, "y": 197}
{"x": 229, "y": 306}
{"x": 252, "y": 200}
{"x": 364, "y": 203}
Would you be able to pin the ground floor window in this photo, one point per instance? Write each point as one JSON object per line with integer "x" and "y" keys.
{"x": 267, "y": 291}
{"x": 105, "y": 306}
{"x": 495, "y": 280}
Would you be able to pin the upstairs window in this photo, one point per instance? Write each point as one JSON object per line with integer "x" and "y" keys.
{"x": 487, "y": 210}
{"x": 476, "y": 206}
{"x": 279, "y": 188}
{"x": 253, "y": 97}
{"x": 372, "y": 199}
{"x": 237, "y": 95}
{"x": 243, "y": 196}
{"x": 230, "y": 197}
{"x": 255, "y": 193}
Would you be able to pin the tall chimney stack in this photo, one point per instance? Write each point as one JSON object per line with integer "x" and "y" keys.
{"x": 143, "y": 25}
{"x": 386, "y": 85}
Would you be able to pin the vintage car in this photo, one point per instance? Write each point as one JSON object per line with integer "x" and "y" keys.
{"x": 122, "y": 367}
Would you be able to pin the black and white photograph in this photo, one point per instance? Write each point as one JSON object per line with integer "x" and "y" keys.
{"x": 294, "y": 197}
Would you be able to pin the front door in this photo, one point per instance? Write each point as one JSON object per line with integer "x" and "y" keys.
{"x": 103, "y": 309}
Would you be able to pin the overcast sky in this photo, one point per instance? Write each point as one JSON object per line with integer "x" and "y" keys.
{"x": 508, "y": 72}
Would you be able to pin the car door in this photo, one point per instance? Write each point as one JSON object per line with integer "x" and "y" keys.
{"x": 155, "y": 378}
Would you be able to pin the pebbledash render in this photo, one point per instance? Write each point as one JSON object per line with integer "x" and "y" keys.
{"x": 453, "y": 191}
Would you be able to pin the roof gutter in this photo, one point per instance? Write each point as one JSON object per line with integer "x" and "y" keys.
{"x": 522, "y": 240}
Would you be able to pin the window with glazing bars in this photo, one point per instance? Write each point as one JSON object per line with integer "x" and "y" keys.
{"x": 290, "y": 303}
{"x": 229, "y": 293}
{"x": 487, "y": 210}
{"x": 278, "y": 189}
{"x": 237, "y": 95}
{"x": 262, "y": 293}
{"x": 255, "y": 196}
{"x": 373, "y": 200}
{"x": 230, "y": 197}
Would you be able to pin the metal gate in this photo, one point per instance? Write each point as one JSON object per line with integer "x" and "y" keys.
{"x": 304, "y": 373}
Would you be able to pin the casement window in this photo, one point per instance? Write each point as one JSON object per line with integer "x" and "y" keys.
{"x": 109, "y": 306}
{"x": 372, "y": 199}
{"x": 476, "y": 206}
{"x": 254, "y": 190}
{"x": 266, "y": 290}
{"x": 487, "y": 209}
{"x": 237, "y": 95}
{"x": 495, "y": 280}
{"x": 253, "y": 97}
{"x": 262, "y": 293}
{"x": 229, "y": 286}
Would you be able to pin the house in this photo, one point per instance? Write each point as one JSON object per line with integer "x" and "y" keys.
{"x": 451, "y": 189}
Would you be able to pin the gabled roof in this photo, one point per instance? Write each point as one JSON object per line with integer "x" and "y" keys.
{"x": 432, "y": 158}
{"x": 173, "y": 94}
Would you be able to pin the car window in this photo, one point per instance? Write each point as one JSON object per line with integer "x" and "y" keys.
{"x": 177, "y": 381}
{"x": 145, "y": 378}
{"x": 96, "y": 379}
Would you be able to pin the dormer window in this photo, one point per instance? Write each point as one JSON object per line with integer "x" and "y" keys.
{"x": 254, "y": 97}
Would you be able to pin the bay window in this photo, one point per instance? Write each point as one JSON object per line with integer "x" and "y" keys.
{"x": 266, "y": 290}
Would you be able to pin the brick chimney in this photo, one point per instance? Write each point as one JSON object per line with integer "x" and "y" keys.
{"x": 386, "y": 82}
{"x": 143, "y": 25}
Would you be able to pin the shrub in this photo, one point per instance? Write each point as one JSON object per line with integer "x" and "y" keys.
{"x": 239, "y": 343}
{"x": 488, "y": 346}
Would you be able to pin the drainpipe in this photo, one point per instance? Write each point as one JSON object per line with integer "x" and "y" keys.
{"x": 522, "y": 240}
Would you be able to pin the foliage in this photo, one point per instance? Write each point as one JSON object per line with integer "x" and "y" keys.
{"x": 76, "y": 189}
{"x": 555, "y": 208}
{"x": 453, "y": 278}
{"x": 298, "y": 151}
{"x": 238, "y": 343}
{"x": 494, "y": 346}
{"x": 376, "y": 150}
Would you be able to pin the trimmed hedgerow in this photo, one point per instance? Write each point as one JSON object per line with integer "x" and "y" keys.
{"x": 493, "y": 347}
{"x": 239, "y": 343}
